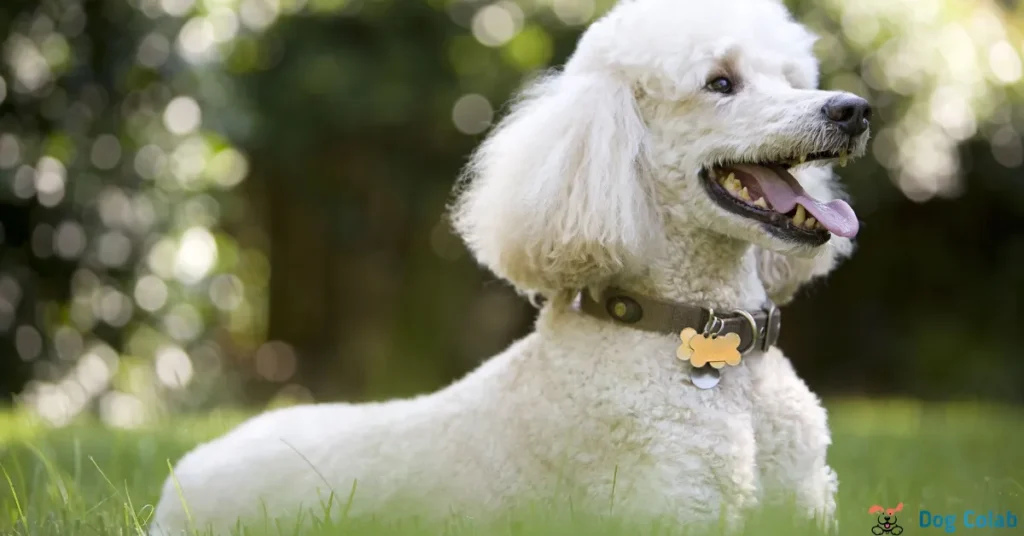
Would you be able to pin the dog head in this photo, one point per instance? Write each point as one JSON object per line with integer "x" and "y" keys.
{"x": 886, "y": 516}
{"x": 670, "y": 113}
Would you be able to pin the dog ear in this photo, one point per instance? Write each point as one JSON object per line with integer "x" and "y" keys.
{"x": 554, "y": 198}
{"x": 875, "y": 509}
{"x": 899, "y": 508}
{"x": 784, "y": 275}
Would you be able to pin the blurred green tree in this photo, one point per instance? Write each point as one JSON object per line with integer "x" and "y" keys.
{"x": 119, "y": 288}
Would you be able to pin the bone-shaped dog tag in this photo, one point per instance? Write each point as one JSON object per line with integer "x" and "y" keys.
{"x": 717, "y": 351}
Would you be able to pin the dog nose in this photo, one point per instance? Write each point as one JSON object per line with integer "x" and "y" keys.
{"x": 849, "y": 112}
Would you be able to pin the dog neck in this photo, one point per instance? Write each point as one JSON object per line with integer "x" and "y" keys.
{"x": 700, "y": 267}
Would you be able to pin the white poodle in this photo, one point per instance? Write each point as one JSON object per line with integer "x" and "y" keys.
{"x": 675, "y": 174}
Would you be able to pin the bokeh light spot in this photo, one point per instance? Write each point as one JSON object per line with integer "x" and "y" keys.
{"x": 93, "y": 373}
{"x": 153, "y": 50}
{"x": 573, "y": 12}
{"x": 182, "y": 116}
{"x": 113, "y": 248}
{"x": 28, "y": 342}
{"x": 291, "y": 395}
{"x": 183, "y": 323}
{"x": 472, "y": 114}
{"x": 1007, "y": 147}
{"x": 951, "y": 109}
{"x": 56, "y": 51}
{"x": 173, "y": 367}
{"x": 1004, "y": 62}
{"x": 177, "y": 8}
{"x": 258, "y": 14}
{"x": 227, "y": 292}
{"x": 496, "y": 24}
{"x": 201, "y": 210}
{"x": 10, "y": 151}
{"x": 150, "y": 161}
{"x": 122, "y": 410}
{"x": 196, "y": 40}
{"x": 196, "y": 255}
{"x": 224, "y": 23}
{"x": 188, "y": 162}
{"x": 106, "y": 152}
{"x": 29, "y": 66}
{"x": 68, "y": 343}
{"x": 276, "y": 361}
{"x": 10, "y": 290}
{"x": 69, "y": 240}
{"x": 49, "y": 181}
{"x": 150, "y": 292}
{"x": 24, "y": 184}
{"x": 114, "y": 207}
{"x": 161, "y": 258}
{"x": 53, "y": 405}
{"x": 228, "y": 168}
{"x": 113, "y": 307}
{"x": 529, "y": 50}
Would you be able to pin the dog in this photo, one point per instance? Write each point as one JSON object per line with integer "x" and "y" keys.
{"x": 677, "y": 168}
{"x": 887, "y": 521}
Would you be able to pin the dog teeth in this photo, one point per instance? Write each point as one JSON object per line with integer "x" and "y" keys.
{"x": 842, "y": 158}
{"x": 800, "y": 216}
{"x": 811, "y": 223}
{"x": 744, "y": 194}
{"x": 803, "y": 158}
{"x": 760, "y": 202}
{"x": 732, "y": 184}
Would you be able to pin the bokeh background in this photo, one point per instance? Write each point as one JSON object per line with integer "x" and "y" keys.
{"x": 207, "y": 203}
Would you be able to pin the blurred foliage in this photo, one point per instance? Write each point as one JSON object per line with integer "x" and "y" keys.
{"x": 214, "y": 200}
{"x": 119, "y": 284}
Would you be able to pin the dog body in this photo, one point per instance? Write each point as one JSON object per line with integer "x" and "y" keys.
{"x": 598, "y": 412}
{"x": 606, "y": 173}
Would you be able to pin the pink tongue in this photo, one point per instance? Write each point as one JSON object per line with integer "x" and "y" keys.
{"x": 783, "y": 192}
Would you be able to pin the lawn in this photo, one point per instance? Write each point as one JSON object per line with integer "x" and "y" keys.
{"x": 943, "y": 458}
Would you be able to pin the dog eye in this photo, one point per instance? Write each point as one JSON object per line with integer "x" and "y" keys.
{"x": 720, "y": 85}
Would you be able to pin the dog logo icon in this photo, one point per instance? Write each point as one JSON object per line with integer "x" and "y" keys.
{"x": 886, "y": 520}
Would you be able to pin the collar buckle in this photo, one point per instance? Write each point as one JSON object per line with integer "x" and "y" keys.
{"x": 755, "y": 334}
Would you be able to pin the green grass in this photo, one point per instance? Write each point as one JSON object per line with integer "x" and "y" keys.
{"x": 88, "y": 480}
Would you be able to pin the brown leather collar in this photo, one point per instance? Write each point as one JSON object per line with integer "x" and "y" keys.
{"x": 758, "y": 330}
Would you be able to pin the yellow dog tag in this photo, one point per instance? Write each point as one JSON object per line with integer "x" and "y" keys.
{"x": 700, "y": 349}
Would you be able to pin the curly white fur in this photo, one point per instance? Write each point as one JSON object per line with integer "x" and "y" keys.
{"x": 590, "y": 180}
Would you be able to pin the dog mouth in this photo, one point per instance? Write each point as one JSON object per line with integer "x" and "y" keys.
{"x": 768, "y": 193}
